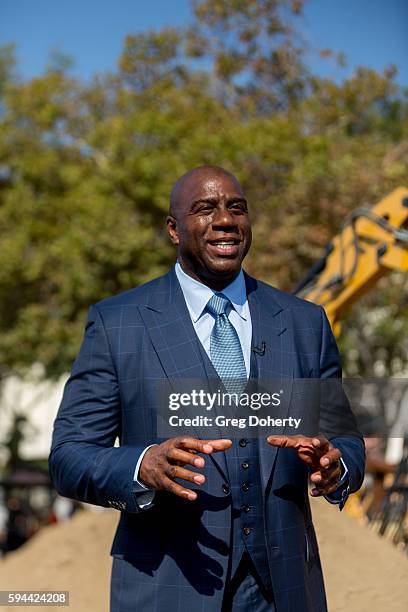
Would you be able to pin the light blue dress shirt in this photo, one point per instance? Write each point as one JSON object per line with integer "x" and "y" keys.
{"x": 197, "y": 295}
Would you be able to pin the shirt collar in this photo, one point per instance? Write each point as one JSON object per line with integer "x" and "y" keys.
{"x": 197, "y": 294}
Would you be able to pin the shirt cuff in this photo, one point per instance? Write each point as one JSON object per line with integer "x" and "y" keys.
{"x": 340, "y": 495}
{"x": 144, "y": 495}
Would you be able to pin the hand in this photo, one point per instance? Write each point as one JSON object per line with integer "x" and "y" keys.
{"x": 320, "y": 456}
{"x": 163, "y": 463}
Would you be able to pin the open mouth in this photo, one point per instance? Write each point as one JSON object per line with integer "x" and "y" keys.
{"x": 224, "y": 246}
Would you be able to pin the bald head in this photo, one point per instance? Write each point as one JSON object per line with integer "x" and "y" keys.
{"x": 209, "y": 224}
{"x": 188, "y": 181}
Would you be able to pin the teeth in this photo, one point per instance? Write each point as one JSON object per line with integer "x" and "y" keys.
{"x": 224, "y": 244}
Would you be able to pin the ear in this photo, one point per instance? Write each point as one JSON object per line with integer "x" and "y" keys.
{"x": 171, "y": 223}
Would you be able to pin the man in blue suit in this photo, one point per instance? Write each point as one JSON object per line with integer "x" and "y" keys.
{"x": 207, "y": 524}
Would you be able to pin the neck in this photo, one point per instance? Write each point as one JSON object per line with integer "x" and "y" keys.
{"x": 216, "y": 283}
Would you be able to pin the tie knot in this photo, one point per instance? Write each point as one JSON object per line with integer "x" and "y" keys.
{"x": 218, "y": 304}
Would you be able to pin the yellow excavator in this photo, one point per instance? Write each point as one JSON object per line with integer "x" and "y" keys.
{"x": 371, "y": 243}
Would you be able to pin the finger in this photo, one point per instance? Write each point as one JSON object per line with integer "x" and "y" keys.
{"x": 333, "y": 471}
{"x": 316, "y": 477}
{"x": 169, "y": 485}
{"x": 284, "y": 441}
{"x": 191, "y": 444}
{"x": 184, "y": 457}
{"x": 219, "y": 445}
{"x": 204, "y": 446}
{"x": 299, "y": 442}
{"x": 315, "y": 492}
{"x": 329, "y": 471}
{"x": 324, "y": 476}
{"x": 175, "y": 471}
{"x": 326, "y": 486}
{"x": 331, "y": 488}
{"x": 321, "y": 443}
{"x": 332, "y": 456}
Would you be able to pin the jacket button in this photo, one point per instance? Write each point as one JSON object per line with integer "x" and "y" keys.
{"x": 246, "y": 530}
{"x": 245, "y": 508}
{"x": 245, "y": 487}
{"x": 226, "y": 489}
{"x": 245, "y": 465}
{"x": 243, "y": 442}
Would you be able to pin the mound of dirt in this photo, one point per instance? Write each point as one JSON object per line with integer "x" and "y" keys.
{"x": 363, "y": 573}
{"x": 72, "y": 556}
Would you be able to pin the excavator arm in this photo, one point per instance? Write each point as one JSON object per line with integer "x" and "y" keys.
{"x": 372, "y": 242}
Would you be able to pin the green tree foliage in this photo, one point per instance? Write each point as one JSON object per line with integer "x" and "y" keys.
{"x": 86, "y": 169}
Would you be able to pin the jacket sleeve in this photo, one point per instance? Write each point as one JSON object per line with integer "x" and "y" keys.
{"x": 337, "y": 421}
{"x": 84, "y": 464}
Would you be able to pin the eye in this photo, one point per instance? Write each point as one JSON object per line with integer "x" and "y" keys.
{"x": 206, "y": 208}
{"x": 238, "y": 206}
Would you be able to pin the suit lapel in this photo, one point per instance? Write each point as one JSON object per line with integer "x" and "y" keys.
{"x": 176, "y": 343}
{"x": 272, "y": 348}
{"x": 171, "y": 331}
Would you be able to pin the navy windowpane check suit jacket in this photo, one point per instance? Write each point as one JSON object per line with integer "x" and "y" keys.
{"x": 175, "y": 553}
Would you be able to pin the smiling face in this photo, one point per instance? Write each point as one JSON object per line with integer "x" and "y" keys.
{"x": 209, "y": 224}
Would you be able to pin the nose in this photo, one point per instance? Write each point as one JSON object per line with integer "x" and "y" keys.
{"x": 223, "y": 217}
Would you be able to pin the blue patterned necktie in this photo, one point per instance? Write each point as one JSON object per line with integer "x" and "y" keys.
{"x": 225, "y": 346}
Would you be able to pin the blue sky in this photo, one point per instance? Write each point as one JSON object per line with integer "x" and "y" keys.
{"x": 370, "y": 32}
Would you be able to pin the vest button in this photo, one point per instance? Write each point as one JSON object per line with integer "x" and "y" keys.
{"x": 246, "y": 530}
{"x": 243, "y": 442}
{"x": 245, "y": 487}
{"x": 245, "y": 508}
{"x": 245, "y": 465}
{"x": 225, "y": 489}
